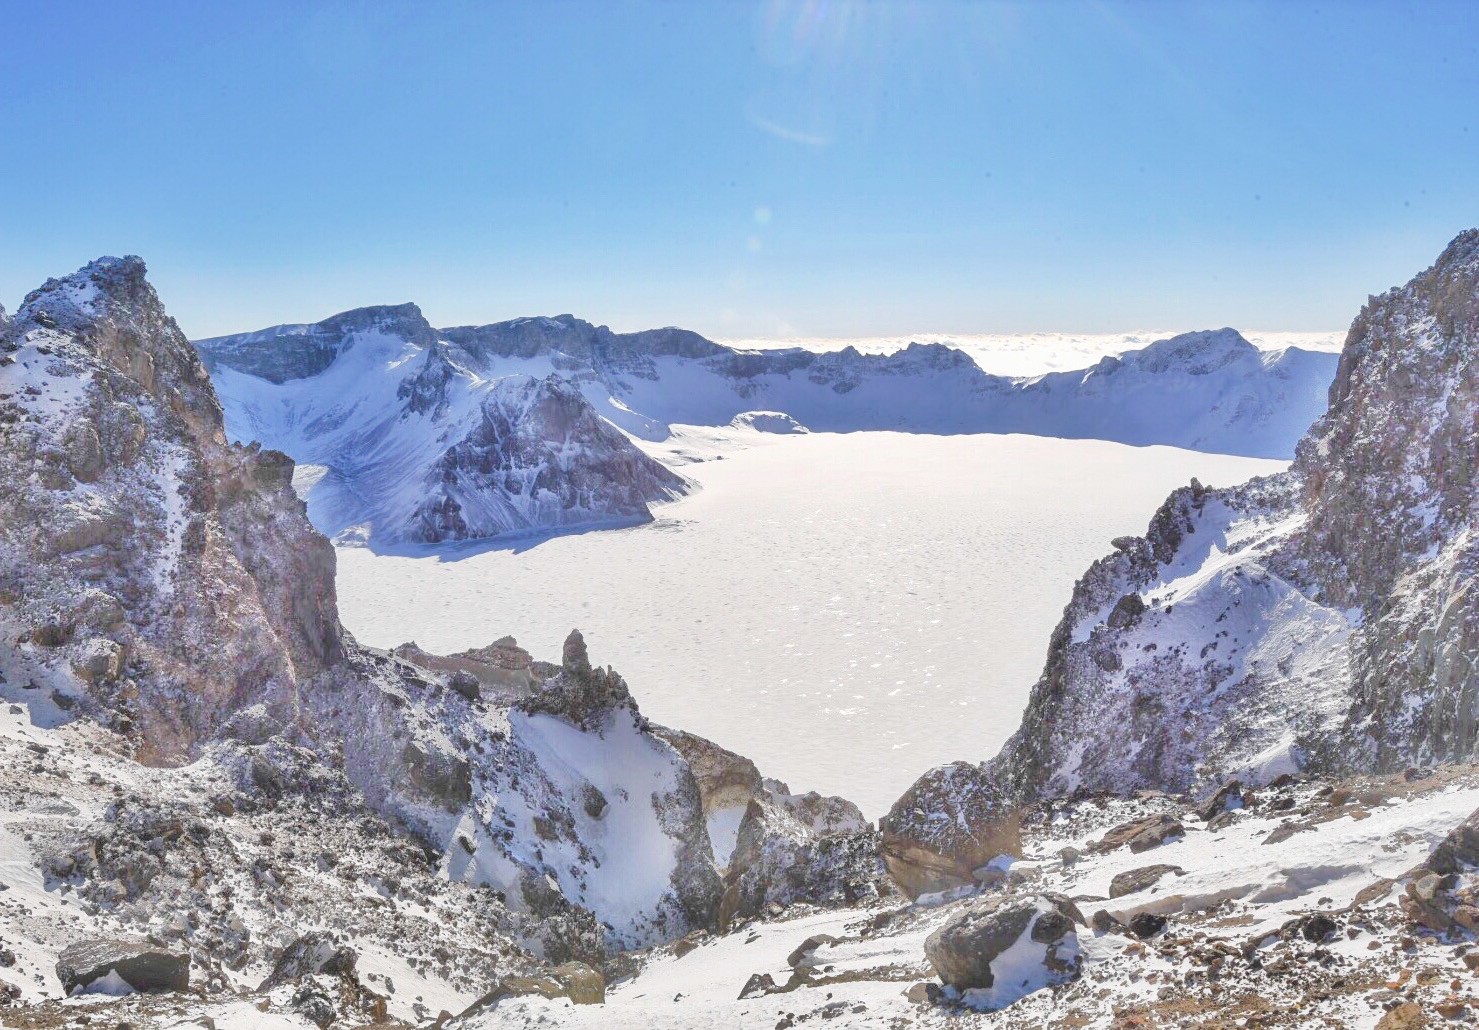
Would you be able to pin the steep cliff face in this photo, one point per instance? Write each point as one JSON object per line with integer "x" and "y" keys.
{"x": 174, "y": 573}
{"x": 1389, "y": 480}
{"x": 1316, "y": 620}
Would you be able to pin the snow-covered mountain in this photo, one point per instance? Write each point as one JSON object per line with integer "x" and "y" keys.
{"x": 1321, "y": 619}
{"x": 1209, "y": 391}
{"x": 405, "y": 432}
{"x": 400, "y": 437}
{"x": 173, "y": 663}
{"x": 219, "y": 809}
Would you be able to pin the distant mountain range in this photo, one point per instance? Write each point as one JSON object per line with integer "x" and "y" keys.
{"x": 407, "y": 432}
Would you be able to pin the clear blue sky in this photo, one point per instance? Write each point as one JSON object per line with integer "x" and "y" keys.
{"x": 817, "y": 168}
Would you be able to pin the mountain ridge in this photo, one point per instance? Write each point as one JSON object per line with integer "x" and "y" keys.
{"x": 1208, "y": 390}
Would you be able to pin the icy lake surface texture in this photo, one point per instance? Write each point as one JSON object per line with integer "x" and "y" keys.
{"x": 847, "y": 610}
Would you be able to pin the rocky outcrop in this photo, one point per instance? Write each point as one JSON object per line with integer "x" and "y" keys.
{"x": 580, "y": 693}
{"x": 141, "y": 967}
{"x": 953, "y": 820}
{"x": 1316, "y": 620}
{"x": 539, "y": 457}
{"x": 785, "y": 848}
{"x": 176, "y": 572}
{"x": 780, "y": 860}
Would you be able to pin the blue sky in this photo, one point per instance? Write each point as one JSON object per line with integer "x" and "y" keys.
{"x": 780, "y": 168}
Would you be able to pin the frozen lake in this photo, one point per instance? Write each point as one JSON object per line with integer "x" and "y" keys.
{"x": 847, "y": 610}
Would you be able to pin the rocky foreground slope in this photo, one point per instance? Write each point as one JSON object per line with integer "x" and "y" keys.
{"x": 509, "y": 426}
{"x": 204, "y": 770}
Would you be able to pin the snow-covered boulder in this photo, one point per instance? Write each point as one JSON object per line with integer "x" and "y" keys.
{"x": 953, "y": 820}
{"x": 1000, "y": 951}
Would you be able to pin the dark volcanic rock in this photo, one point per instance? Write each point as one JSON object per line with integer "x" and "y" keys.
{"x": 144, "y": 967}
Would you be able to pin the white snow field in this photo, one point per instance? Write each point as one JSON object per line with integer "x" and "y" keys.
{"x": 846, "y": 609}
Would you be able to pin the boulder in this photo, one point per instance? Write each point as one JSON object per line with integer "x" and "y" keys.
{"x": 1133, "y": 880}
{"x": 313, "y": 1003}
{"x": 963, "y": 950}
{"x": 757, "y": 985}
{"x": 1146, "y": 925}
{"x": 99, "y": 661}
{"x": 806, "y": 948}
{"x": 1229, "y": 797}
{"x": 1142, "y": 834}
{"x": 466, "y": 684}
{"x": 953, "y": 820}
{"x": 923, "y": 993}
{"x": 1127, "y": 612}
{"x": 143, "y": 967}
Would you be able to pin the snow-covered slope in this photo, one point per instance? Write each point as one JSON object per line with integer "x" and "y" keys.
{"x": 398, "y": 439}
{"x": 374, "y": 404}
{"x": 1319, "y": 619}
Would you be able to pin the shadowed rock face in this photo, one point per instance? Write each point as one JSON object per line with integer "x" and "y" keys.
{"x": 539, "y": 456}
{"x": 1321, "y": 619}
{"x": 1388, "y": 479}
{"x": 290, "y": 352}
{"x": 142, "y": 966}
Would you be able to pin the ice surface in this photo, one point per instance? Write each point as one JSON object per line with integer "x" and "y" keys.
{"x": 846, "y": 610}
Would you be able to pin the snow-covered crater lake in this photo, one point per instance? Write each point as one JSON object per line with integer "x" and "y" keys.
{"x": 847, "y": 610}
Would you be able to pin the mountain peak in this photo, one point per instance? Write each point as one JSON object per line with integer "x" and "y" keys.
{"x": 90, "y": 293}
{"x": 109, "y": 308}
{"x": 283, "y": 352}
{"x": 1196, "y": 353}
